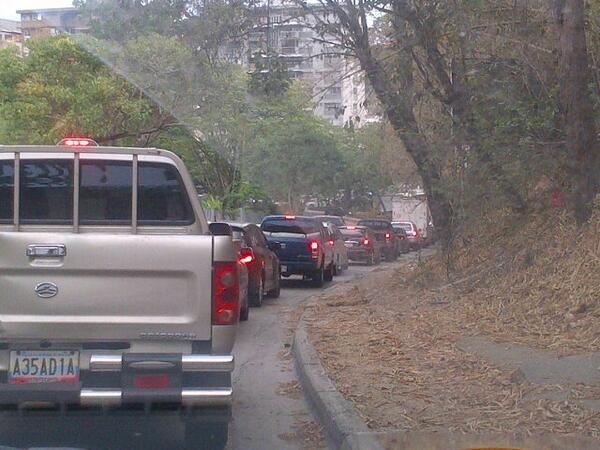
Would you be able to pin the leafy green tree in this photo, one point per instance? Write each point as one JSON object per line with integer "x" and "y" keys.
{"x": 59, "y": 89}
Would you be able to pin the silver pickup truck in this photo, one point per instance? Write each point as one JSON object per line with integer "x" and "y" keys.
{"x": 113, "y": 290}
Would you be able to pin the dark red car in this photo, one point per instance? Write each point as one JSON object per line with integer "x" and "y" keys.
{"x": 384, "y": 233}
{"x": 261, "y": 262}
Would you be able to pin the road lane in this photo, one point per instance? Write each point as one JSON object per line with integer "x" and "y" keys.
{"x": 263, "y": 417}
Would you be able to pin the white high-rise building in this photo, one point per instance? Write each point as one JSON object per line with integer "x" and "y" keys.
{"x": 284, "y": 30}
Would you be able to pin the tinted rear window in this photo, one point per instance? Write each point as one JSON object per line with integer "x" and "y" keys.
{"x": 295, "y": 226}
{"x": 162, "y": 199}
{"x": 331, "y": 219}
{"x": 7, "y": 183}
{"x": 375, "y": 224}
{"x": 46, "y": 192}
{"x": 105, "y": 192}
{"x": 352, "y": 233}
{"x": 404, "y": 226}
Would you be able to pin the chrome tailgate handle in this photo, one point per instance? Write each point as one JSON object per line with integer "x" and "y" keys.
{"x": 46, "y": 250}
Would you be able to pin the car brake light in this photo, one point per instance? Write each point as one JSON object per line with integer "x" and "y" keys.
{"x": 246, "y": 255}
{"x": 289, "y": 217}
{"x": 313, "y": 245}
{"x": 388, "y": 236}
{"x": 160, "y": 381}
{"x": 77, "y": 142}
{"x": 366, "y": 242}
{"x": 350, "y": 227}
{"x": 331, "y": 242}
{"x": 226, "y": 293}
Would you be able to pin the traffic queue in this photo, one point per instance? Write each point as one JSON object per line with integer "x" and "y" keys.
{"x": 315, "y": 248}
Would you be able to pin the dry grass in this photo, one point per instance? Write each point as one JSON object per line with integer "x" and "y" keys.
{"x": 389, "y": 343}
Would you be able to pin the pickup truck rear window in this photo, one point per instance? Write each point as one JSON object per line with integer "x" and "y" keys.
{"x": 162, "y": 199}
{"x": 375, "y": 224}
{"x": 7, "y": 182}
{"x": 46, "y": 192}
{"x": 294, "y": 226}
{"x": 105, "y": 192}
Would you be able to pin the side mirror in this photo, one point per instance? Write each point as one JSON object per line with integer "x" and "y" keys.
{"x": 220, "y": 229}
{"x": 246, "y": 255}
{"x": 274, "y": 246}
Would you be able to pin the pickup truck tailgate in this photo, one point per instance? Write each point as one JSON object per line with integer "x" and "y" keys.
{"x": 109, "y": 287}
{"x": 294, "y": 247}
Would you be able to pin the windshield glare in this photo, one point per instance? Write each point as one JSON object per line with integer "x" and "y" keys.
{"x": 215, "y": 213}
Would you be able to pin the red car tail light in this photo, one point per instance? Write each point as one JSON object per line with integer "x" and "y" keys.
{"x": 226, "y": 293}
{"x": 314, "y": 249}
{"x": 331, "y": 242}
{"x": 388, "y": 236}
{"x": 366, "y": 242}
{"x": 246, "y": 255}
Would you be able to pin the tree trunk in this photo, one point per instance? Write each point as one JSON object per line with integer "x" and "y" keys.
{"x": 401, "y": 116}
{"x": 577, "y": 106}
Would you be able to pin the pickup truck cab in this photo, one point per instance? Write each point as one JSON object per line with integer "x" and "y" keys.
{"x": 302, "y": 246}
{"x": 113, "y": 291}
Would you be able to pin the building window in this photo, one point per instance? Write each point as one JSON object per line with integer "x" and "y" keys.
{"x": 332, "y": 109}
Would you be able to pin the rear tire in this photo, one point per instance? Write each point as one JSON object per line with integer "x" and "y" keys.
{"x": 371, "y": 259}
{"x": 256, "y": 295}
{"x": 245, "y": 313}
{"x": 389, "y": 256}
{"x": 276, "y": 291}
{"x": 318, "y": 277}
{"x": 205, "y": 436}
{"x": 328, "y": 274}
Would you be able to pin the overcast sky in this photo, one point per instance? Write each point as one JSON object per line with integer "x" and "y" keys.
{"x": 8, "y": 7}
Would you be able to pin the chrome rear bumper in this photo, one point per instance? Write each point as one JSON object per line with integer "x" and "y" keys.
{"x": 126, "y": 368}
{"x": 189, "y": 397}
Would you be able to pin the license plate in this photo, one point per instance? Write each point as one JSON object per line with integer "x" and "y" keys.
{"x": 283, "y": 269}
{"x": 41, "y": 366}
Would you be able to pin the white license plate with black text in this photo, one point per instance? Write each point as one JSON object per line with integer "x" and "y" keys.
{"x": 43, "y": 366}
{"x": 284, "y": 269}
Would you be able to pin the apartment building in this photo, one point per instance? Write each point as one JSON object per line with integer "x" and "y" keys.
{"x": 361, "y": 107}
{"x": 51, "y": 21}
{"x": 283, "y": 29}
{"x": 10, "y": 33}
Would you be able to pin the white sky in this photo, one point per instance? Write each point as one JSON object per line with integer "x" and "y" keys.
{"x": 8, "y": 8}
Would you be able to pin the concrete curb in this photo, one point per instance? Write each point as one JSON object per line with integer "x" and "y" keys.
{"x": 337, "y": 415}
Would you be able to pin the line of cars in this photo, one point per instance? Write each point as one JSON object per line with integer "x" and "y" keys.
{"x": 316, "y": 248}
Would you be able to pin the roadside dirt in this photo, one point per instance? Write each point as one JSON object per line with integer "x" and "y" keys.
{"x": 390, "y": 345}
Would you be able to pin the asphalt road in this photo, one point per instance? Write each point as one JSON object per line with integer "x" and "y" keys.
{"x": 265, "y": 414}
{"x": 269, "y": 411}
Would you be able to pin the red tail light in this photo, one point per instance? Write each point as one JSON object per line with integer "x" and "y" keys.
{"x": 366, "y": 242}
{"x": 331, "y": 242}
{"x": 226, "y": 294}
{"x": 159, "y": 381}
{"x": 289, "y": 217}
{"x": 246, "y": 255}
{"x": 388, "y": 236}
{"x": 313, "y": 245}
